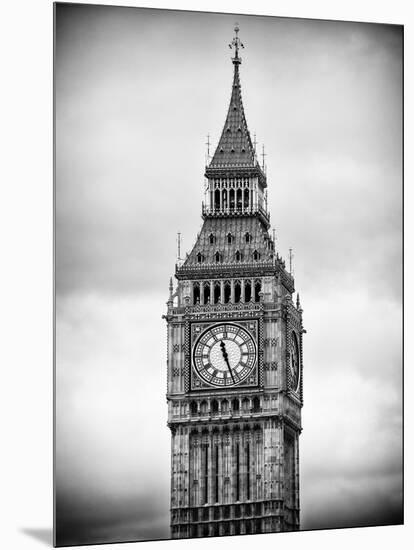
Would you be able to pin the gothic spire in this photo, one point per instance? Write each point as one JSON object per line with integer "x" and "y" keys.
{"x": 235, "y": 147}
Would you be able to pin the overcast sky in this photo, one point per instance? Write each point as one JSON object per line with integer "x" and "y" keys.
{"x": 137, "y": 92}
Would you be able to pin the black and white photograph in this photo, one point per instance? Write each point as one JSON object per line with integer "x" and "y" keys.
{"x": 228, "y": 203}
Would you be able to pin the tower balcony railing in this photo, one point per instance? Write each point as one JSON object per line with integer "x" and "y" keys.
{"x": 235, "y": 210}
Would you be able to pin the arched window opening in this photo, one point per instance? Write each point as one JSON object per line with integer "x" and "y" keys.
{"x": 256, "y": 256}
{"x": 224, "y": 406}
{"x": 200, "y": 258}
{"x": 206, "y": 293}
{"x": 238, "y": 256}
{"x": 229, "y": 238}
{"x": 245, "y": 405}
{"x": 214, "y": 406}
{"x": 224, "y": 199}
{"x": 257, "y": 290}
{"x": 193, "y": 407}
{"x": 256, "y": 404}
{"x": 247, "y": 291}
{"x": 248, "y": 238}
{"x": 237, "y": 291}
{"x": 196, "y": 293}
{"x": 239, "y": 198}
{"x": 217, "y": 257}
{"x": 217, "y": 199}
{"x": 231, "y": 199}
{"x": 217, "y": 292}
{"x": 227, "y": 292}
{"x": 203, "y": 407}
{"x": 235, "y": 405}
{"x": 212, "y": 238}
{"x": 246, "y": 198}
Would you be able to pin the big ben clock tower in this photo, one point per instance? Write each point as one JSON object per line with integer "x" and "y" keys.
{"x": 235, "y": 366}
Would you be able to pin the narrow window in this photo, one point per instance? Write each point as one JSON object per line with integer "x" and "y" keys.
{"x": 206, "y": 293}
{"x": 216, "y": 481}
{"x": 256, "y": 255}
{"x": 205, "y": 474}
{"x": 196, "y": 293}
{"x": 235, "y": 405}
{"x": 200, "y": 258}
{"x": 216, "y": 200}
{"x": 248, "y": 237}
{"x": 237, "y": 292}
{"x": 229, "y": 238}
{"x": 231, "y": 199}
{"x": 227, "y": 292}
{"x": 257, "y": 290}
{"x": 246, "y": 199}
{"x": 247, "y": 291}
{"x": 248, "y": 470}
{"x": 217, "y": 257}
{"x": 237, "y": 472}
{"x": 217, "y": 292}
{"x": 238, "y": 256}
{"x": 239, "y": 198}
{"x": 212, "y": 238}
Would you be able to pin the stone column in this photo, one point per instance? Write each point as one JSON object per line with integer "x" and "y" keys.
{"x": 232, "y": 291}
{"x": 222, "y": 292}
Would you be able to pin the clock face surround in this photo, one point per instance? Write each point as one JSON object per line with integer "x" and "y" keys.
{"x": 294, "y": 362}
{"x": 224, "y": 355}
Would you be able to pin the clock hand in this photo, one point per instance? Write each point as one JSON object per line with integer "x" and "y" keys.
{"x": 226, "y": 358}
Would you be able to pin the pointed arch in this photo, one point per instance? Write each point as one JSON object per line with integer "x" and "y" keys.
{"x": 214, "y": 406}
{"x": 247, "y": 290}
{"x": 257, "y": 290}
{"x": 237, "y": 291}
{"x": 246, "y": 198}
{"x": 217, "y": 199}
{"x": 224, "y": 196}
{"x": 196, "y": 293}
{"x": 227, "y": 292}
{"x": 217, "y": 292}
{"x": 207, "y": 292}
{"x": 231, "y": 197}
{"x": 239, "y": 199}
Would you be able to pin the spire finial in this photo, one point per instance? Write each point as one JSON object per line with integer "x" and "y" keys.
{"x": 236, "y": 44}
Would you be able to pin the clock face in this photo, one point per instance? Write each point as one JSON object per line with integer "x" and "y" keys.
{"x": 294, "y": 362}
{"x": 224, "y": 355}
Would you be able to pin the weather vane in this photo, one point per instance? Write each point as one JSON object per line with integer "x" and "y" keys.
{"x": 236, "y": 44}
